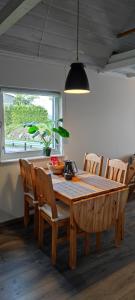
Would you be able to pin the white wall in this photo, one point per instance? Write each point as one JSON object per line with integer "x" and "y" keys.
{"x": 104, "y": 120}
{"x": 24, "y": 73}
{"x": 101, "y": 122}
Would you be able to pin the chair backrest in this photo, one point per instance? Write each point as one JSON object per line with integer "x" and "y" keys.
{"x": 44, "y": 190}
{"x": 27, "y": 174}
{"x": 99, "y": 213}
{"x": 130, "y": 173}
{"x": 93, "y": 163}
{"x": 116, "y": 170}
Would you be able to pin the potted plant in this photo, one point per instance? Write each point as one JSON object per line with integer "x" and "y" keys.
{"x": 47, "y": 133}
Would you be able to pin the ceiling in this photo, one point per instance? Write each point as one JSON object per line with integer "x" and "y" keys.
{"x": 47, "y": 29}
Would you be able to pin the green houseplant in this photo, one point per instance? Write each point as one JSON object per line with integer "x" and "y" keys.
{"x": 47, "y": 133}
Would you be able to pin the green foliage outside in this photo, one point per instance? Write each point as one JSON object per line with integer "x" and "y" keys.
{"x": 19, "y": 114}
{"x": 21, "y": 111}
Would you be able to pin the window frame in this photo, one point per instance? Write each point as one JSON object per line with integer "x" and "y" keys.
{"x": 57, "y": 113}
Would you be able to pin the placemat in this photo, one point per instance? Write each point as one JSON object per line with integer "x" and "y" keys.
{"x": 72, "y": 190}
{"x": 100, "y": 182}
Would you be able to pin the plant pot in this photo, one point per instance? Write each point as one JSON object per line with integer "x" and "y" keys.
{"x": 47, "y": 151}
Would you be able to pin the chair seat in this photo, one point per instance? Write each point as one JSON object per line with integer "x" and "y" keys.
{"x": 62, "y": 209}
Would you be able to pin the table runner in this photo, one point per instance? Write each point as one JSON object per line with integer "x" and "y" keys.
{"x": 100, "y": 182}
{"x": 72, "y": 190}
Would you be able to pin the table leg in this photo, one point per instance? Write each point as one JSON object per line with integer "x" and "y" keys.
{"x": 73, "y": 242}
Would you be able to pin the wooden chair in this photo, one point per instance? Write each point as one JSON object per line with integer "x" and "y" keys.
{"x": 100, "y": 213}
{"x": 116, "y": 170}
{"x": 30, "y": 202}
{"x": 56, "y": 214}
{"x": 93, "y": 163}
{"x": 130, "y": 179}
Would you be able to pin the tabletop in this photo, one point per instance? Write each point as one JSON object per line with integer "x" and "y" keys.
{"x": 83, "y": 185}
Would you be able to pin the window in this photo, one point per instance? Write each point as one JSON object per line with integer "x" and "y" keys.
{"x": 20, "y": 109}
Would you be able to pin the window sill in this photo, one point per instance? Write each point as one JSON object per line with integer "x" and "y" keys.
{"x": 32, "y": 159}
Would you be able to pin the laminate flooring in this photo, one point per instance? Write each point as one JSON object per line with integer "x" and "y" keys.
{"x": 26, "y": 272}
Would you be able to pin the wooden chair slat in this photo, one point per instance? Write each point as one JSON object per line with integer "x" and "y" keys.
{"x": 111, "y": 174}
{"x": 115, "y": 174}
{"x": 95, "y": 166}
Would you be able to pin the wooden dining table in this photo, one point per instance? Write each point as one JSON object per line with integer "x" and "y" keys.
{"x": 83, "y": 185}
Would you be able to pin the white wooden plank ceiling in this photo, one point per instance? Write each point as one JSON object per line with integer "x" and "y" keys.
{"x": 47, "y": 29}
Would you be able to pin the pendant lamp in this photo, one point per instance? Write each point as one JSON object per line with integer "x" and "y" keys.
{"x": 77, "y": 81}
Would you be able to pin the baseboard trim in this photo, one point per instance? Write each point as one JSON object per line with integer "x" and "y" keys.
{"x": 12, "y": 221}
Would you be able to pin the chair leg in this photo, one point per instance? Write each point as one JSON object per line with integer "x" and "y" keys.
{"x": 86, "y": 244}
{"x": 73, "y": 244}
{"x": 54, "y": 242}
{"x": 36, "y": 221}
{"x": 26, "y": 213}
{"x": 122, "y": 226}
{"x": 41, "y": 231}
{"x": 98, "y": 241}
{"x": 117, "y": 233}
{"x": 68, "y": 232}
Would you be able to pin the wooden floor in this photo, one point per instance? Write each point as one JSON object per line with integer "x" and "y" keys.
{"x": 26, "y": 272}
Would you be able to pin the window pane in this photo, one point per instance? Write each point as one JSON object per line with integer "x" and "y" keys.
{"x": 22, "y": 110}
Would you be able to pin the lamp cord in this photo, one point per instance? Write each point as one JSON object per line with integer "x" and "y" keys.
{"x": 77, "y": 31}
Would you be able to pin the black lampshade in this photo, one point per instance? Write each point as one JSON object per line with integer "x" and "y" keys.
{"x": 77, "y": 81}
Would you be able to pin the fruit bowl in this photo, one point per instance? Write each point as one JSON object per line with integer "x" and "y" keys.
{"x": 56, "y": 169}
